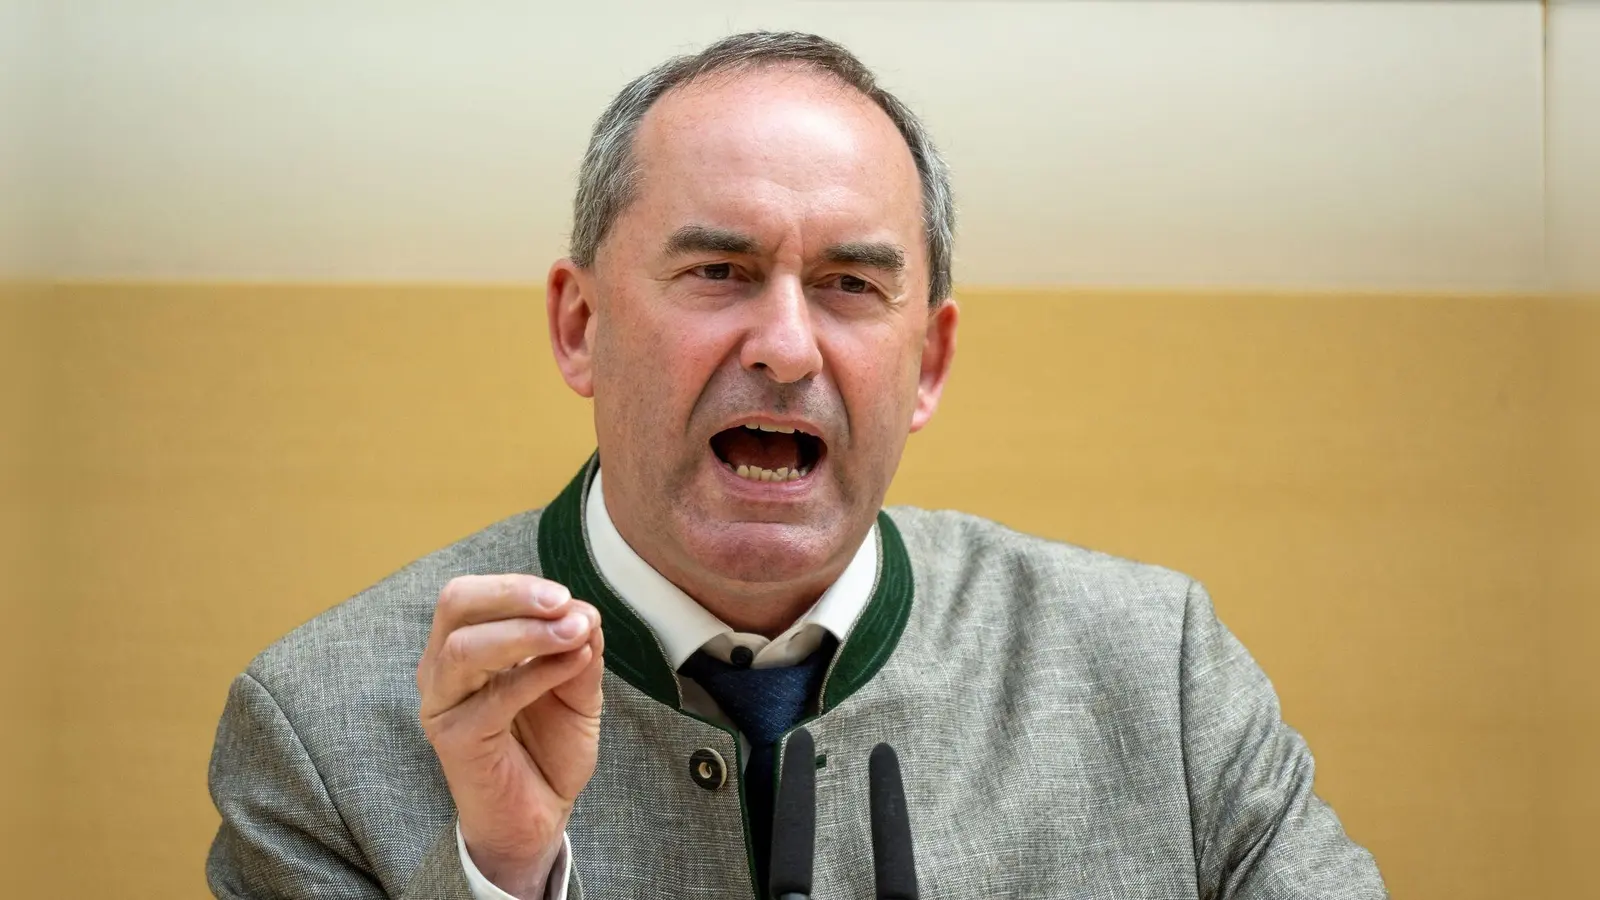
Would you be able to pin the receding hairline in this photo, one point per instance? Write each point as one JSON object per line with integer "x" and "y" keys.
{"x": 608, "y": 175}
{"x": 733, "y": 74}
{"x": 730, "y": 75}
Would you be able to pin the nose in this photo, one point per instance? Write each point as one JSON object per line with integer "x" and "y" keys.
{"x": 781, "y": 341}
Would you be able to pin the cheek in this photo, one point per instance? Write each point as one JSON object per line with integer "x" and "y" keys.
{"x": 654, "y": 363}
{"x": 879, "y": 386}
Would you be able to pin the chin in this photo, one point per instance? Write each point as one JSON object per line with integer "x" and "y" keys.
{"x": 764, "y": 553}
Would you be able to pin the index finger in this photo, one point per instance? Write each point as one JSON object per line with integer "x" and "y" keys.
{"x": 474, "y": 599}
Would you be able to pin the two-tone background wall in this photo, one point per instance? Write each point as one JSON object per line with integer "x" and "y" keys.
{"x": 1297, "y": 297}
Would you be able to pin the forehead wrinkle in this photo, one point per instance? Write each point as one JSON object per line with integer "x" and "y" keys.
{"x": 751, "y": 117}
{"x": 701, "y": 165}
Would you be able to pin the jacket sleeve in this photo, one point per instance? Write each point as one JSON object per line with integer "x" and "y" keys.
{"x": 1260, "y": 832}
{"x": 281, "y": 836}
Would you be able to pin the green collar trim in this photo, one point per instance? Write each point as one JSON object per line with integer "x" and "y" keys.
{"x": 634, "y": 653}
{"x": 877, "y": 630}
{"x": 632, "y": 649}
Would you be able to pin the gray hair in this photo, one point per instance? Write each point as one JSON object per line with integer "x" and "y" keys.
{"x": 609, "y": 175}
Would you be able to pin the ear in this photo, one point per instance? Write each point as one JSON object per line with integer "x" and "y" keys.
{"x": 938, "y": 352}
{"x": 569, "y": 305}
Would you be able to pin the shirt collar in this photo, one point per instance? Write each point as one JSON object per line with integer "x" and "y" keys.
{"x": 684, "y": 626}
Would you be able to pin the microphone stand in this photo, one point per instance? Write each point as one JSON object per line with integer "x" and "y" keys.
{"x": 893, "y": 862}
{"x": 794, "y": 821}
{"x": 794, "y": 824}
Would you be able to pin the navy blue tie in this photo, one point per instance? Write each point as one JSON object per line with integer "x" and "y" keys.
{"x": 762, "y": 704}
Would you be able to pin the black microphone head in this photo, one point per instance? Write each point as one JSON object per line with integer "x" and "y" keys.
{"x": 794, "y": 818}
{"x": 892, "y": 859}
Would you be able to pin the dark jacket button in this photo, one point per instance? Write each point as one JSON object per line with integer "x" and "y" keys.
{"x": 707, "y": 768}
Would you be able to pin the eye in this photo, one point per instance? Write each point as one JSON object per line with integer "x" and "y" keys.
{"x": 715, "y": 271}
{"x": 851, "y": 284}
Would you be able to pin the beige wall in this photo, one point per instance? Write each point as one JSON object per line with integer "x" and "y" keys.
{"x": 1388, "y": 145}
{"x": 28, "y": 702}
{"x": 1574, "y": 144}
{"x": 1573, "y": 694}
{"x": 1391, "y": 497}
{"x": 23, "y": 100}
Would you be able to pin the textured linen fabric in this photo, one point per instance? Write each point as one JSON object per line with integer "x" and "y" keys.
{"x": 684, "y": 627}
{"x": 1067, "y": 723}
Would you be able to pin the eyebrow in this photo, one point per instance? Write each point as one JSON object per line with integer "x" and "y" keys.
{"x": 689, "y": 239}
{"x": 705, "y": 239}
{"x": 872, "y": 254}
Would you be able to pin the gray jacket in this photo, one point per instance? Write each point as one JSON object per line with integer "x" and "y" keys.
{"x": 1068, "y": 724}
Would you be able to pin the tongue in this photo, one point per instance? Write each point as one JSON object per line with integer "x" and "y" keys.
{"x": 758, "y": 449}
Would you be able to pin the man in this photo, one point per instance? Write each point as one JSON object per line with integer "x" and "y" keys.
{"x": 758, "y": 302}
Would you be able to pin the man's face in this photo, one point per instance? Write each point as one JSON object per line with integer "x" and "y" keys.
{"x": 771, "y": 271}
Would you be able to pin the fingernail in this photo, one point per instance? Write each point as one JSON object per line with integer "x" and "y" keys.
{"x": 570, "y": 626}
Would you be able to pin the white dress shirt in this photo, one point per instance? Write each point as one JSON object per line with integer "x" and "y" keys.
{"x": 684, "y": 626}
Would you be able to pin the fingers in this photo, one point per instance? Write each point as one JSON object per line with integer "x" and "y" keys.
{"x": 514, "y": 754}
{"x": 463, "y": 661}
{"x": 471, "y": 599}
{"x": 581, "y": 692}
{"x": 511, "y": 692}
{"x": 573, "y": 676}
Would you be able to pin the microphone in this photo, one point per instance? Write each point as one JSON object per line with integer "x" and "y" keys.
{"x": 794, "y": 821}
{"x": 893, "y": 864}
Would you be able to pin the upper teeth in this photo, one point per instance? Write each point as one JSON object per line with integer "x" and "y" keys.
{"x": 781, "y": 429}
{"x": 756, "y": 473}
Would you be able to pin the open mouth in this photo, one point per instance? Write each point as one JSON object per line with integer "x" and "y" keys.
{"x": 768, "y": 452}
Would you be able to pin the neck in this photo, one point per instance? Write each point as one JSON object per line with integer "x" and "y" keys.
{"x": 767, "y": 610}
{"x": 764, "y": 608}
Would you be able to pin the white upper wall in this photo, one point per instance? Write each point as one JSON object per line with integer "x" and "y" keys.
{"x": 1294, "y": 144}
{"x": 1574, "y": 135}
{"x": 22, "y": 186}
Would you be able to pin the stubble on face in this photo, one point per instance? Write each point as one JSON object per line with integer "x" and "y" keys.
{"x": 797, "y": 163}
